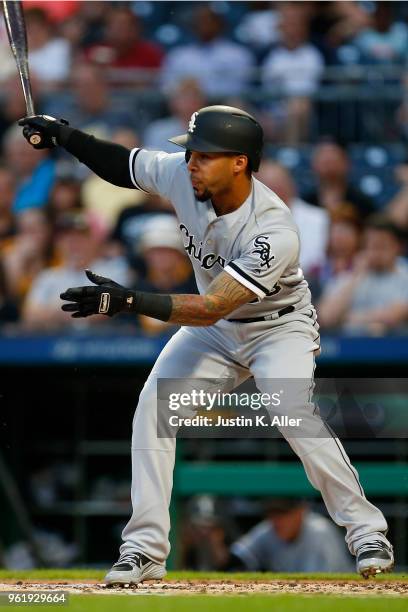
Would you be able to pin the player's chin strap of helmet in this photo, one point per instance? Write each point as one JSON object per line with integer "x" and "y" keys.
{"x": 110, "y": 298}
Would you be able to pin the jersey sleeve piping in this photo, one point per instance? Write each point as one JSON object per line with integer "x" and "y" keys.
{"x": 246, "y": 280}
{"x": 132, "y": 159}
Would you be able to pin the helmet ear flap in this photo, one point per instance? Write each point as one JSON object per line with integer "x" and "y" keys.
{"x": 187, "y": 156}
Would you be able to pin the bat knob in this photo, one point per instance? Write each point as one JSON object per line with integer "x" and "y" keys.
{"x": 35, "y": 139}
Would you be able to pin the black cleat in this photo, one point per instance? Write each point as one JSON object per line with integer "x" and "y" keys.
{"x": 132, "y": 568}
{"x": 374, "y": 557}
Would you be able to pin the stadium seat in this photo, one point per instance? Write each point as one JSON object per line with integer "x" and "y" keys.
{"x": 293, "y": 158}
{"x": 380, "y": 186}
{"x": 377, "y": 156}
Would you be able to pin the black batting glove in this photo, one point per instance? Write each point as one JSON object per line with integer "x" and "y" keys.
{"x": 108, "y": 298}
{"x": 44, "y": 125}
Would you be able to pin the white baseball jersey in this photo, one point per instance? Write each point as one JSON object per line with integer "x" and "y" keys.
{"x": 257, "y": 244}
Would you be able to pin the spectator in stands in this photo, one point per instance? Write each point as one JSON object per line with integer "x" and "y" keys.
{"x": 8, "y": 307}
{"x": 7, "y": 218}
{"x": 258, "y": 27}
{"x": 344, "y": 243}
{"x": 79, "y": 249}
{"x": 373, "y": 297}
{"x": 131, "y": 224}
{"x": 34, "y": 171}
{"x": 57, "y": 10}
{"x": 28, "y": 252}
{"x": 183, "y": 100}
{"x": 292, "y": 538}
{"x": 65, "y": 197}
{"x": 167, "y": 267}
{"x": 222, "y": 67}
{"x": 384, "y": 41}
{"x": 397, "y": 209}
{"x": 334, "y": 23}
{"x": 123, "y": 45}
{"x": 92, "y": 14}
{"x": 104, "y": 201}
{"x": 91, "y": 106}
{"x": 331, "y": 166}
{"x": 206, "y": 534}
{"x": 313, "y": 223}
{"x": 49, "y": 55}
{"x": 292, "y": 70}
{"x": 7, "y": 61}
{"x": 12, "y": 104}
{"x": 85, "y": 27}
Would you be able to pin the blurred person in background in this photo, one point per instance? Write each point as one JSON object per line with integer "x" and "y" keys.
{"x": 337, "y": 22}
{"x": 384, "y": 42}
{"x": 183, "y": 100}
{"x": 78, "y": 248}
{"x": 131, "y": 224}
{"x": 90, "y": 104}
{"x": 331, "y": 166}
{"x": 372, "y": 298}
{"x": 258, "y": 27}
{"x": 57, "y": 10}
{"x": 344, "y": 243}
{"x": 12, "y": 103}
{"x": 84, "y": 27}
{"x": 9, "y": 312}
{"x": 222, "y": 67}
{"x": 7, "y": 191}
{"x": 92, "y": 14}
{"x": 385, "y": 39}
{"x": 123, "y": 45}
{"x": 312, "y": 222}
{"x": 28, "y": 252}
{"x": 7, "y": 61}
{"x": 292, "y": 70}
{"x": 205, "y": 537}
{"x": 49, "y": 55}
{"x": 291, "y": 538}
{"x": 397, "y": 209}
{"x": 65, "y": 198}
{"x": 34, "y": 171}
{"x": 167, "y": 267}
{"x": 103, "y": 201}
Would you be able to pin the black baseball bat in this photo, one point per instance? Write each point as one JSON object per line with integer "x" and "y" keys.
{"x": 17, "y": 35}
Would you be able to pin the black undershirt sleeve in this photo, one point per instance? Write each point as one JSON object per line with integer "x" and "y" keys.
{"x": 108, "y": 160}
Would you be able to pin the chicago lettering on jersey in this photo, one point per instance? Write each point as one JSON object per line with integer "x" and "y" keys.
{"x": 208, "y": 260}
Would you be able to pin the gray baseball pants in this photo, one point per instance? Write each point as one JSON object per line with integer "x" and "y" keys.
{"x": 284, "y": 348}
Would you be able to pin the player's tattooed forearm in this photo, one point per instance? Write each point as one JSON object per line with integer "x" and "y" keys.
{"x": 224, "y": 295}
{"x": 190, "y": 310}
{"x": 230, "y": 291}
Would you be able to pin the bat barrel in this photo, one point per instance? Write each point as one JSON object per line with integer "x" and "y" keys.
{"x": 16, "y": 31}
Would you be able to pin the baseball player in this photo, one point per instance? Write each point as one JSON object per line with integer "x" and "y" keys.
{"x": 253, "y": 317}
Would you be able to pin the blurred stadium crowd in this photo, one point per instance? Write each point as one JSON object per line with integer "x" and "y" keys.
{"x": 327, "y": 80}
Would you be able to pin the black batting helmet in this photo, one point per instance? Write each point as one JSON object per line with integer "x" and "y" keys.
{"x": 221, "y": 129}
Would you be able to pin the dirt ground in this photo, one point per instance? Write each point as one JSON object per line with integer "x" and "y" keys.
{"x": 217, "y": 587}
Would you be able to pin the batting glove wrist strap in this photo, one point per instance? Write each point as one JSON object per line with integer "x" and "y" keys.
{"x": 47, "y": 126}
{"x": 110, "y": 298}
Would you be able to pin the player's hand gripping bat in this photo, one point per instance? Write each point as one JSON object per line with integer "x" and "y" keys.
{"x": 16, "y": 30}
